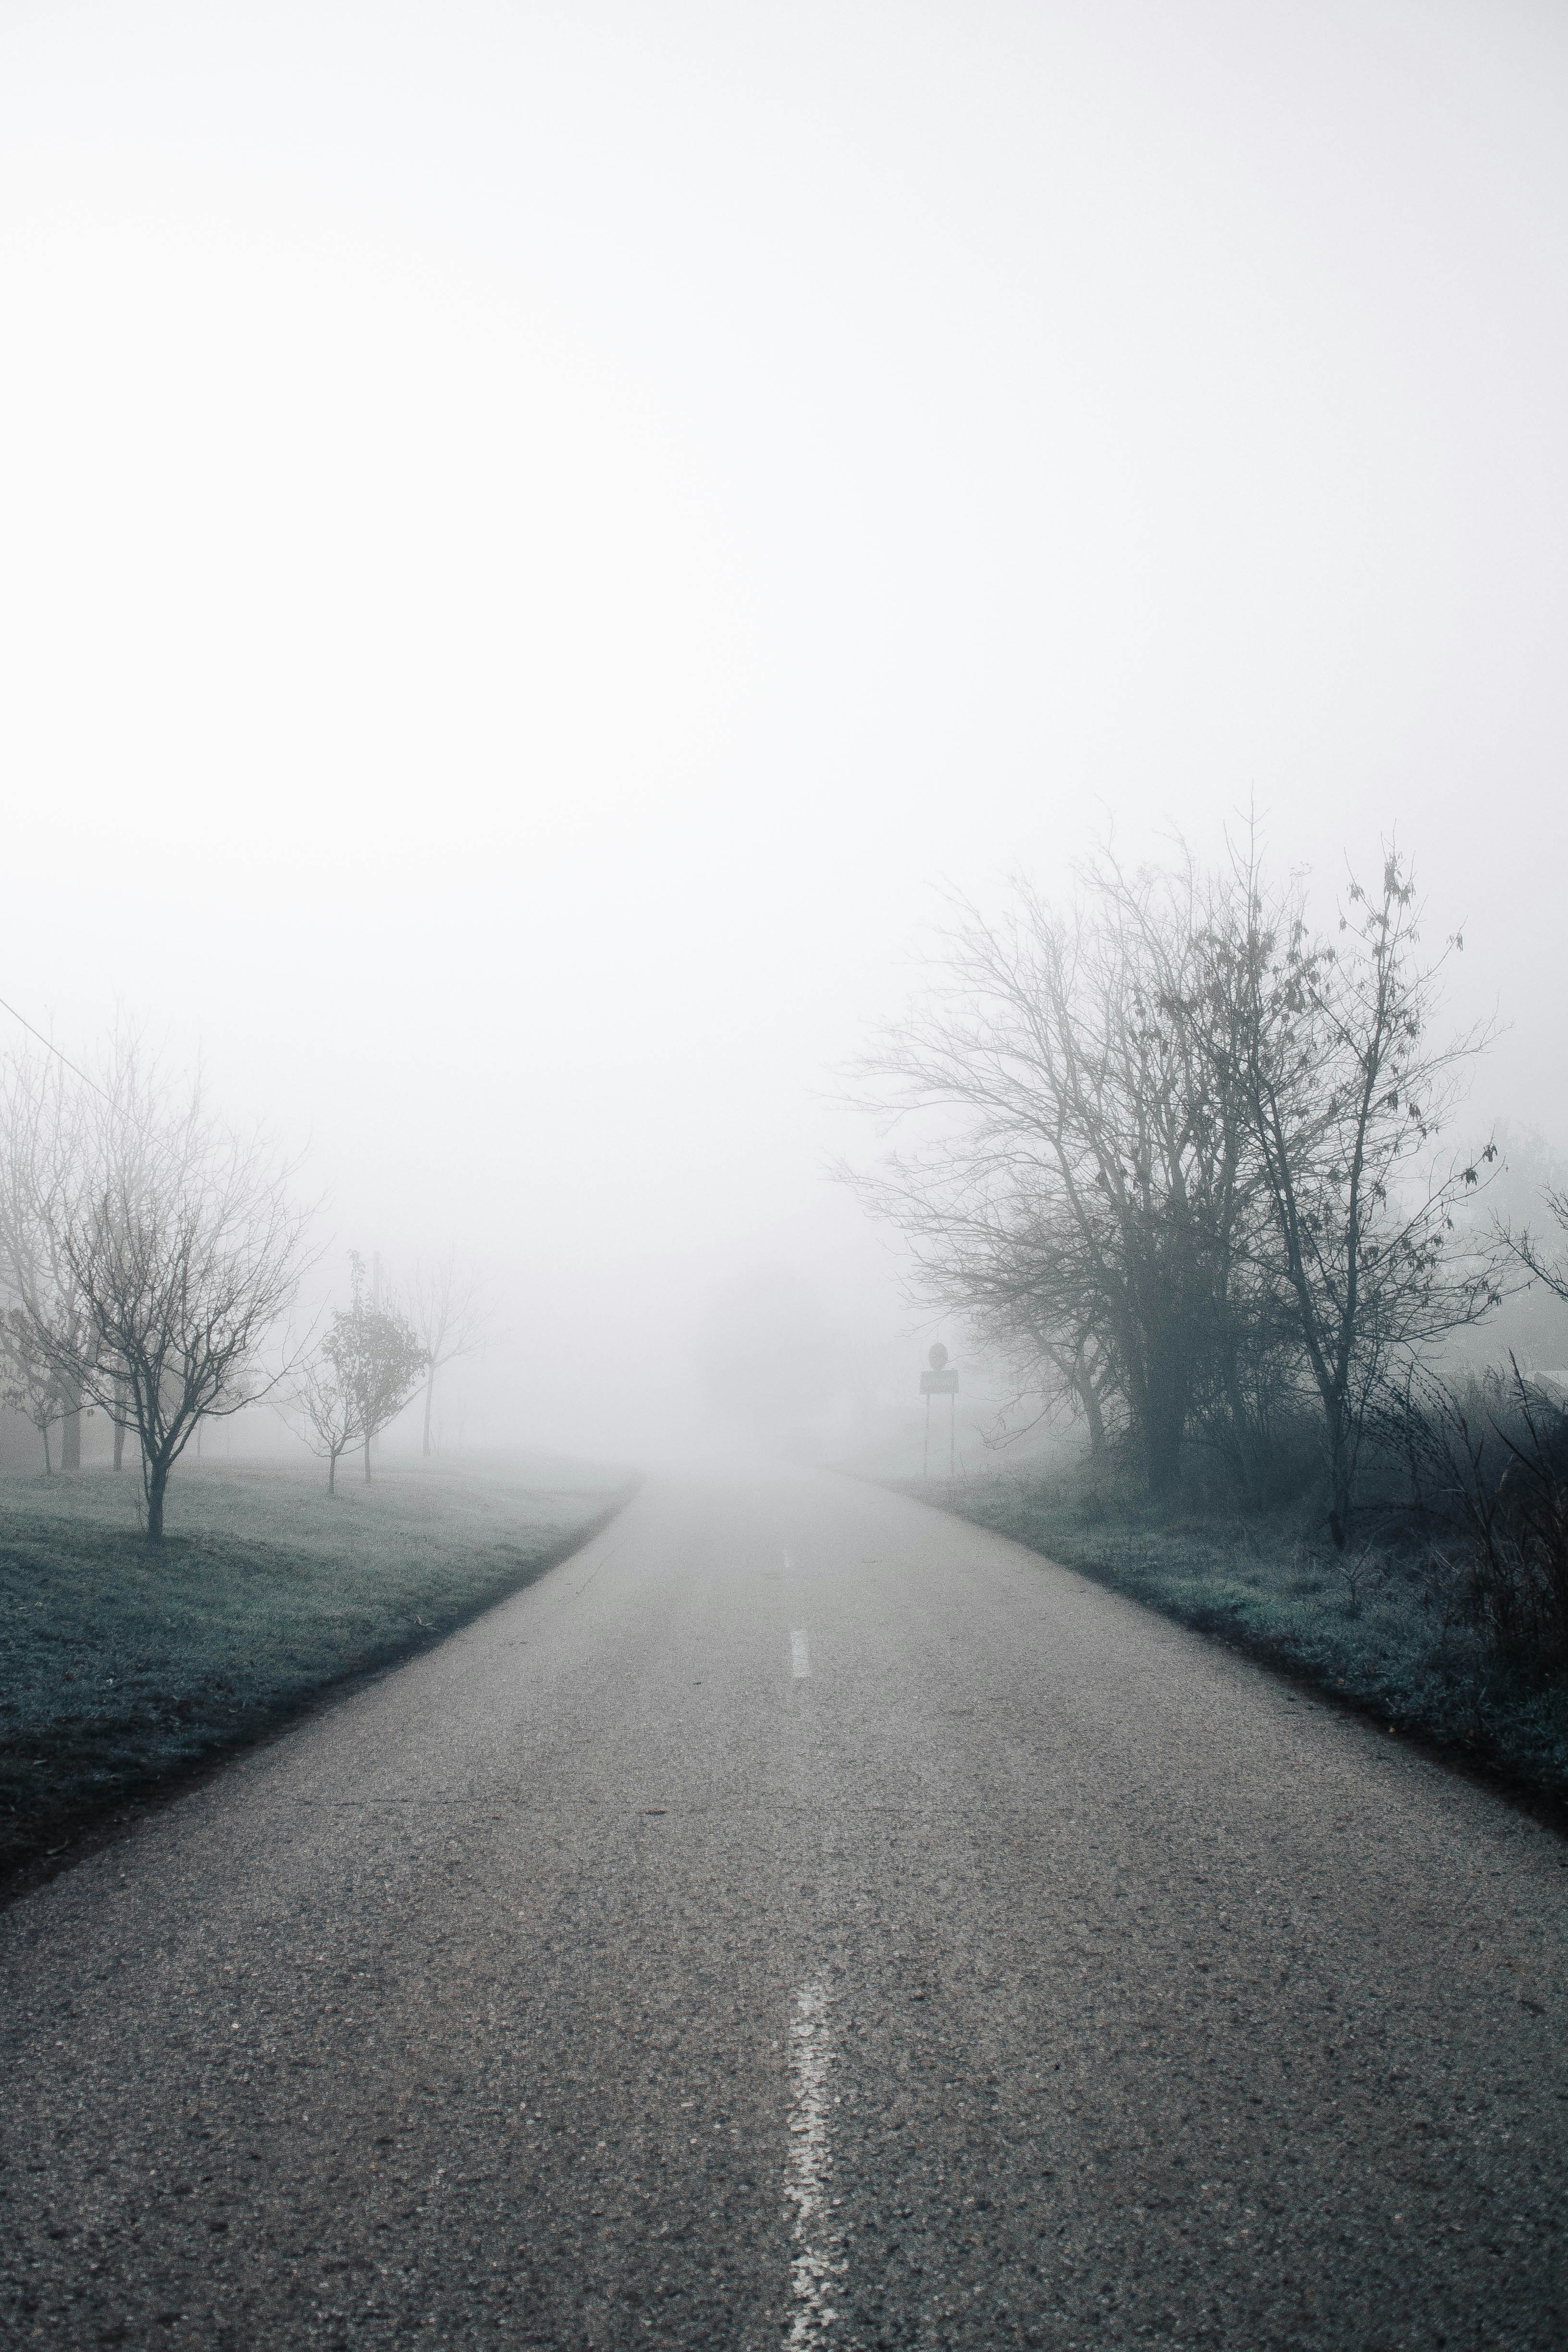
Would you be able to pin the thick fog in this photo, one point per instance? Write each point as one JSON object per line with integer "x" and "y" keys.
{"x": 536, "y": 541}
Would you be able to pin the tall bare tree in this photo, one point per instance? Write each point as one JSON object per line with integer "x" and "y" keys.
{"x": 183, "y": 1244}
{"x": 1080, "y": 1185}
{"x": 448, "y": 1317}
{"x": 1349, "y": 1091}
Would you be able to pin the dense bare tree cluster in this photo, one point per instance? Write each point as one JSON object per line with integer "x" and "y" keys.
{"x": 147, "y": 1253}
{"x": 1176, "y": 1157}
{"x": 149, "y": 1257}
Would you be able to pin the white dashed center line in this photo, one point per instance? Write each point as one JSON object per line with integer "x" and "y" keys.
{"x": 799, "y": 1656}
{"x": 806, "y": 2169}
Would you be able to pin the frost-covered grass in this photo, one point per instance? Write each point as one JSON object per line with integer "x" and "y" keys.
{"x": 121, "y": 1666}
{"x": 1381, "y": 1626}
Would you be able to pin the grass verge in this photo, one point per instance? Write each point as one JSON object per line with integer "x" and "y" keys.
{"x": 1371, "y": 1628}
{"x": 122, "y": 1668}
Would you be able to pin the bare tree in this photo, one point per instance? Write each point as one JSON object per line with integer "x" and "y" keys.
{"x": 1179, "y": 1157}
{"x": 1348, "y": 1094}
{"x": 44, "y": 1324}
{"x": 323, "y": 1408}
{"x": 1526, "y": 1248}
{"x": 1080, "y": 1186}
{"x": 29, "y": 1383}
{"x": 447, "y": 1316}
{"x": 376, "y": 1359}
{"x": 184, "y": 1247}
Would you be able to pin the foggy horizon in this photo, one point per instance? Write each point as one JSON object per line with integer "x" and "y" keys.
{"x": 539, "y": 545}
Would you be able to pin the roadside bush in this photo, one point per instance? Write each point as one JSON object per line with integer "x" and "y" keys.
{"x": 1284, "y": 1463}
{"x": 1488, "y": 1462}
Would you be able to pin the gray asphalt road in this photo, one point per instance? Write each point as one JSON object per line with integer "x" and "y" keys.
{"x": 800, "y": 1919}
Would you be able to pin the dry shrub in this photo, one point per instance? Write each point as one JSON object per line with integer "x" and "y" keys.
{"x": 1489, "y": 1460}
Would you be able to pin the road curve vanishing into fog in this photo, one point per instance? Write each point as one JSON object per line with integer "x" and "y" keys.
{"x": 800, "y": 1919}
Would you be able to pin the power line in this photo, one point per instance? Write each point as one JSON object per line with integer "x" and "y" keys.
{"x": 54, "y": 1049}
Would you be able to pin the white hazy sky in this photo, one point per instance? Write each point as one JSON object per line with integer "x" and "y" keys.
{"x": 532, "y": 536}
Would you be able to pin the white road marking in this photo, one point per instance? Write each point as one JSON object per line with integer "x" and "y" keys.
{"x": 799, "y": 1655}
{"x": 806, "y": 2169}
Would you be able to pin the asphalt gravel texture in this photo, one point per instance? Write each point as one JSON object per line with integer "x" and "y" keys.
{"x": 799, "y": 1919}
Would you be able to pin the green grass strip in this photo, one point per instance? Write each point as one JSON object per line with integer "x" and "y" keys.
{"x": 122, "y": 1668}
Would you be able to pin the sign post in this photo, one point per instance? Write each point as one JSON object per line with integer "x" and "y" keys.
{"x": 942, "y": 1379}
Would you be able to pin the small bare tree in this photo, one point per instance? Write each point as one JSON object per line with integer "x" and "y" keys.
{"x": 447, "y": 1316}
{"x": 323, "y": 1408}
{"x": 375, "y": 1358}
{"x": 28, "y": 1381}
{"x": 182, "y": 1243}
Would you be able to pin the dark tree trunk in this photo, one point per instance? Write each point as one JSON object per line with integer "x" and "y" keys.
{"x": 118, "y": 1424}
{"x": 48, "y": 1464}
{"x": 1162, "y": 1453}
{"x": 1241, "y": 1426}
{"x": 71, "y": 1431}
{"x": 1092, "y": 1415}
{"x": 1342, "y": 1480}
{"x": 429, "y": 1400}
{"x": 332, "y": 1473}
{"x": 157, "y": 1483}
{"x": 1165, "y": 1415}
